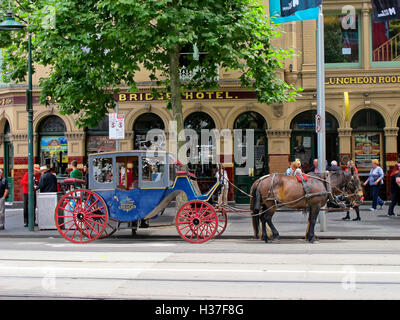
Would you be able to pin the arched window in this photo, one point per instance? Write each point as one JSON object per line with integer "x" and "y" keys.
{"x": 250, "y": 120}
{"x": 306, "y": 121}
{"x": 367, "y": 136}
{"x": 53, "y": 145}
{"x": 367, "y": 119}
{"x": 143, "y": 124}
{"x": 97, "y": 138}
{"x": 198, "y": 121}
{"x": 52, "y": 125}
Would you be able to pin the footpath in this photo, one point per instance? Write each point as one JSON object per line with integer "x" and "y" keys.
{"x": 291, "y": 225}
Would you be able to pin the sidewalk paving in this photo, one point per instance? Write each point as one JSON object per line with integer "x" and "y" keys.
{"x": 291, "y": 225}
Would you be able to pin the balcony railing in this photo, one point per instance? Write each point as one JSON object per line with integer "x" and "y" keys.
{"x": 389, "y": 50}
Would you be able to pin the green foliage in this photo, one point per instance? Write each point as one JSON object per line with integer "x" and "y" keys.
{"x": 94, "y": 47}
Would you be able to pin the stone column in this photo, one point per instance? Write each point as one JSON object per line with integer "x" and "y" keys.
{"x": 391, "y": 154}
{"x": 344, "y": 145}
{"x": 365, "y": 36}
{"x": 76, "y": 147}
{"x": 278, "y": 149}
{"x": 127, "y": 143}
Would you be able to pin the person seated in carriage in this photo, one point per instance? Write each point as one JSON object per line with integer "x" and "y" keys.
{"x": 294, "y": 169}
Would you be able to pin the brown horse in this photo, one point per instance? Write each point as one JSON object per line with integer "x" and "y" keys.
{"x": 275, "y": 190}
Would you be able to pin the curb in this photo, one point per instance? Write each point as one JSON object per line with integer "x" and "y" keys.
{"x": 223, "y": 237}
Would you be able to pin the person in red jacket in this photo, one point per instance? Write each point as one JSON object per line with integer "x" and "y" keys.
{"x": 25, "y": 190}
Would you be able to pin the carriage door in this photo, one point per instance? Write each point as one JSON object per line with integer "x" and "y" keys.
{"x": 246, "y": 173}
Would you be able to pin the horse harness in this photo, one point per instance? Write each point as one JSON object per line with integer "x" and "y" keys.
{"x": 307, "y": 195}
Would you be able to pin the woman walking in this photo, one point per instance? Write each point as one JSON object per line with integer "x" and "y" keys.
{"x": 375, "y": 180}
{"x": 394, "y": 189}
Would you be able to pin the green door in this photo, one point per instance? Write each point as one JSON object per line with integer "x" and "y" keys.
{"x": 245, "y": 175}
{"x": 8, "y": 169}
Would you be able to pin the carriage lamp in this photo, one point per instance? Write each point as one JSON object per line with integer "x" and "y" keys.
{"x": 10, "y": 24}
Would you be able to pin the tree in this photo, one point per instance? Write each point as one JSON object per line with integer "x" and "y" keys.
{"x": 94, "y": 47}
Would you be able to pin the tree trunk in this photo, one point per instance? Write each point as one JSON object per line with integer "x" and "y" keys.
{"x": 176, "y": 102}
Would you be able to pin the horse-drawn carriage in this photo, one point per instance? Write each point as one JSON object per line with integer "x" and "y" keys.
{"x": 126, "y": 187}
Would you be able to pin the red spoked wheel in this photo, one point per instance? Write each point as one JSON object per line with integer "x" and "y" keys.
{"x": 196, "y": 221}
{"x": 222, "y": 222}
{"x": 81, "y": 216}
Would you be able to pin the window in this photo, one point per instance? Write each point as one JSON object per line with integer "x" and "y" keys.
{"x": 143, "y": 124}
{"x": 97, "y": 139}
{"x": 385, "y": 41}
{"x": 153, "y": 170}
{"x": 342, "y": 39}
{"x": 103, "y": 170}
{"x": 190, "y": 53}
{"x": 127, "y": 168}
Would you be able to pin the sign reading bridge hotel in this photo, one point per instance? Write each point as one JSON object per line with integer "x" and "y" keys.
{"x": 201, "y": 95}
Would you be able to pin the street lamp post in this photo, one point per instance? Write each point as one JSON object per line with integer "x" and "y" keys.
{"x": 9, "y": 24}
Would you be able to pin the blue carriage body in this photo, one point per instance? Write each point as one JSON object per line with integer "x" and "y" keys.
{"x": 152, "y": 192}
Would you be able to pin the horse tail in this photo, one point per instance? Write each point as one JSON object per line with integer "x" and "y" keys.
{"x": 255, "y": 208}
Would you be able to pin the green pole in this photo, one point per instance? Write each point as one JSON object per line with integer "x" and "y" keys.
{"x": 29, "y": 102}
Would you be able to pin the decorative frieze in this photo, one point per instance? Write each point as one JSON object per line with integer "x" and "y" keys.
{"x": 78, "y": 135}
{"x": 278, "y": 133}
{"x": 345, "y": 132}
{"x": 391, "y": 132}
{"x": 19, "y": 137}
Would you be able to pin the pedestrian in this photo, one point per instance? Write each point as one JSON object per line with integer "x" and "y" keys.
{"x": 75, "y": 173}
{"x": 86, "y": 175}
{"x": 356, "y": 207}
{"x": 25, "y": 191}
{"x": 375, "y": 180}
{"x": 315, "y": 166}
{"x": 48, "y": 181}
{"x": 334, "y": 166}
{"x": 394, "y": 189}
{"x": 222, "y": 177}
{"x": 3, "y": 196}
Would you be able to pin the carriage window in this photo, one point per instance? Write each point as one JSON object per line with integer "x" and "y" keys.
{"x": 153, "y": 169}
{"x": 103, "y": 170}
{"x": 127, "y": 167}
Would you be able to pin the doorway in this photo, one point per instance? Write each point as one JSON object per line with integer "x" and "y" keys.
{"x": 246, "y": 173}
{"x": 303, "y": 144}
